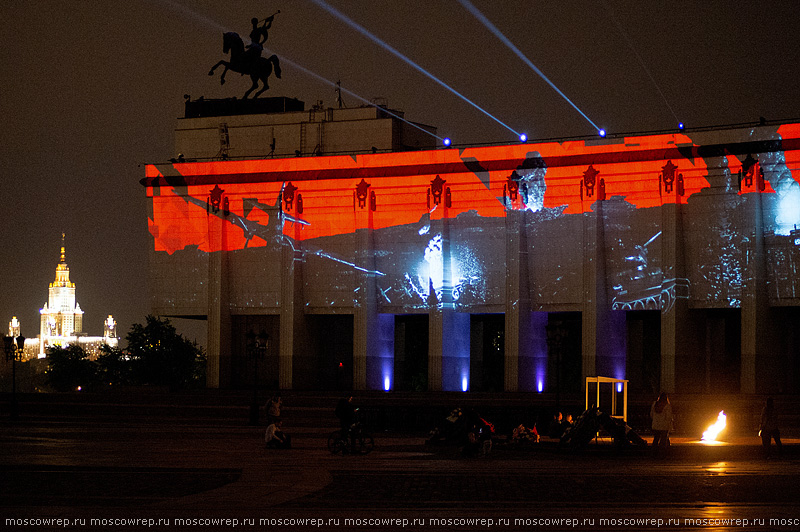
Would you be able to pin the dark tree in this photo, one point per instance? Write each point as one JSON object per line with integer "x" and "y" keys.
{"x": 114, "y": 366}
{"x": 160, "y": 356}
{"x": 70, "y": 368}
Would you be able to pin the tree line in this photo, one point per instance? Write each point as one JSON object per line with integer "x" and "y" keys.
{"x": 156, "y": 355}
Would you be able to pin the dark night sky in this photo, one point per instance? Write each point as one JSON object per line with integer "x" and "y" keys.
{"x": 92, "y": 89}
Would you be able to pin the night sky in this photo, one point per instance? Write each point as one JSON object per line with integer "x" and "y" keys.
{"x": 93, "y": 89}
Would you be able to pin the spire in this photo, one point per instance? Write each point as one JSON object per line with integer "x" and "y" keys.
{"x": 62, "y": 270}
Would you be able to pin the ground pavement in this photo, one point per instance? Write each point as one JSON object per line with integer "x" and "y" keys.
{"x": 102, "y": 474}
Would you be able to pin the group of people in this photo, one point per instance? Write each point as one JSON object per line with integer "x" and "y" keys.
{"x": 477, "y": 431}
{"x": 662, "y": 424}
{"x": 274, "y": 437}
{"x": 467, "y": 429}
{"x": 559, "y": 425}
{"x": 556, "y": 428}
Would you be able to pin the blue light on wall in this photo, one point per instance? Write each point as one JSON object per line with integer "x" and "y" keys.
{"x": 455, "y": 352}
{"x": 380, "y": 357}
{"x": 533, "y": 364}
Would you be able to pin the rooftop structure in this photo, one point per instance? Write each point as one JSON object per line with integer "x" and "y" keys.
{"x": 280, "y": 127}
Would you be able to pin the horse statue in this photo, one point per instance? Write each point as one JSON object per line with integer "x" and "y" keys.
{"x": 247, "y": 61}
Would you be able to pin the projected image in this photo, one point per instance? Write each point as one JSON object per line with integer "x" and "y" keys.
{"x": 438, "y": 221}
{"x": 465, "y": 273}
{"x": 528, "y": 182}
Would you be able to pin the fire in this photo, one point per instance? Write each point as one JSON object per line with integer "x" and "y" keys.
{"x": 714, "y": 430}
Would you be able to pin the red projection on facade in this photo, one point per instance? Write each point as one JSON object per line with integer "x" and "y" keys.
{"x": 313, "y": 197}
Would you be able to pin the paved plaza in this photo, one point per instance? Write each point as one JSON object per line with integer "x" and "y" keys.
{"x": 102, "y": 474}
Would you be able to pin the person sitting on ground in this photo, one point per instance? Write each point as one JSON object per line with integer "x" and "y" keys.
{"x": 556, "y": 428}
{"x": 275, "y": 438}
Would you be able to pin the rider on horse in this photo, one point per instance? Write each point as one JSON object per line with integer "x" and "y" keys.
{"x": 258, "y": 36}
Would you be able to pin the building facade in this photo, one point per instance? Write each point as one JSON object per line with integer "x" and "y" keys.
{"x": 62, "y": 318}
{"x": 667, "y": 259}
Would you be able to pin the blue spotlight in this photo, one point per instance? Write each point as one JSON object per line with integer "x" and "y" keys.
{"x": 602, "y": 132}
{"x": 523, "y": 138}
{"x": 447, "y": 141}
{"x": 363, "y": 31}
{"x": 681, "y": 126}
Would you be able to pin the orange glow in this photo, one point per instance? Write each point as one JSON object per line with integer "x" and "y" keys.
{"x": 647, "y": 171}
{"x": 714, "y": 430}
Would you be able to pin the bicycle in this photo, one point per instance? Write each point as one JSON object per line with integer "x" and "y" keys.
{"x": 357, "y": 442}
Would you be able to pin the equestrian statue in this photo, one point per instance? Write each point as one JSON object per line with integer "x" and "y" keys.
{"x": 248, "y": 60}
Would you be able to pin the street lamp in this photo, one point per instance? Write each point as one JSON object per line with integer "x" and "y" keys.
{"x": 14, "y": 348}
{"x": 256, "y": 349}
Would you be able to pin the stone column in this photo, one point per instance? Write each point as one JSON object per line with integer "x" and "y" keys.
{"x": 292, "y": 318}
{"x": 218, "y": 340}
{"x": 755, "y": 301}
{"x": 592, "y": 282}
{"x": 435, "y": 337}
{"x": 675, "y": 308}
{"x": 518, "y": 305}
{"x": 366, "y": 372}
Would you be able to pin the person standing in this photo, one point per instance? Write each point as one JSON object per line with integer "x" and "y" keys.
{"x": 661, "y": 414}
{"x": 769, "y": 428}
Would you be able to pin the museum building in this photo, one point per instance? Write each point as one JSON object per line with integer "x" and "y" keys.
{"x": 374, "y": 259}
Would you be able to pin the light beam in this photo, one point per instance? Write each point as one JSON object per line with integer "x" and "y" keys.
{"x": 641, "y": 62}
{"x": 366, "y": 33}
{"x": 286, "y": 60}
{"x": 491, "y": 27}
{"x": 207, "y": 21}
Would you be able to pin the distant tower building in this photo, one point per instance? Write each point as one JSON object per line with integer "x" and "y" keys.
{"x": 110, "y": 327}
{"x": 62, "y": 317}
{"x": 13, "y": 327}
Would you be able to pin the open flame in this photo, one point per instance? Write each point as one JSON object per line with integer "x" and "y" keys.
{"x": 714, "y": 430}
